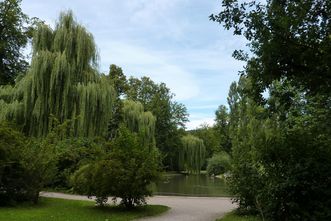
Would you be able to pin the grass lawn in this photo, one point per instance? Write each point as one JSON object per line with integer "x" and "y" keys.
{"x": 74, "y": 210}
{"x": 233, "y": 217}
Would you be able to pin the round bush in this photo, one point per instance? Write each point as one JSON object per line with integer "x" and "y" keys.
{"x": 218, "y": 164}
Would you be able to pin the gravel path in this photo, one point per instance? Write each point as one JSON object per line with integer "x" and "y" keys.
{"x": 182, "y": 208}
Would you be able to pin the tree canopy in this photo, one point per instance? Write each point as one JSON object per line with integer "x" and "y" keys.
{"x": 192, "y": 154}
{"x": 15, "y": 30}
{"x": 62, "y": 82}
{"x": 170, "y": 116}
{"x": 126, "y": 172}
{"x": 287, "y": 39}
{"x": 280, "y": 140}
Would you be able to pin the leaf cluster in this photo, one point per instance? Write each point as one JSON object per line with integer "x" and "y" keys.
{"x": 26, "y": 166}
{"x": 288, "y": 39}
{"x": 126, "y": 172}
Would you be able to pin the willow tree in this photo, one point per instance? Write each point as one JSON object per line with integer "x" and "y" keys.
{"x": 11, "y": 104}
{"x": 192, "y": 154}
{"x": 63, "y": 82}
{"x": 139, "y": 121}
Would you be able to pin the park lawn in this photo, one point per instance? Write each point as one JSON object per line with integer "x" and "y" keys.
{"x": 234, "y": 217}
{"x": 73, "y": 210}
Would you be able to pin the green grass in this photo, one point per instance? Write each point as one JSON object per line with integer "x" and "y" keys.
{"x": 234, "y": 217}
{"x": 74, "y": 210}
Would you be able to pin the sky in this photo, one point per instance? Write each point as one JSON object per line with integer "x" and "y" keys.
{"x": 170, "y": 41}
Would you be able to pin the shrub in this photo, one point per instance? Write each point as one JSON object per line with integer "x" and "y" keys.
{"x": 25, "y": 166}
{"x": 126, "y": 172}
{"x": 281, "y": 169}
{"x": 71, "y": 154}
{"x": 11, "y": 170}
{"x": 37, "y": 159}
{"x": 218, "y": 164}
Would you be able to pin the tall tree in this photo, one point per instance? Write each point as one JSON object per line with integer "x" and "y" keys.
{"x": 222, "y": 128}
{"x": 210, "y": 137}
{"x": 237, "y": 99}
{"x": 15, "y": 31}
{"x": 287, "y": 38}
{"x": 63, "y": 82}
{"x": 281, "y": 143}
{"x": 119, "y": 81}
{"x": 170, "y": 115}
{"x": 192, "y": 154}
{"x": 140, "y": 122}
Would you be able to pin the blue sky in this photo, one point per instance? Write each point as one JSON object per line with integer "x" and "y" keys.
{"x": 170, "y": 41}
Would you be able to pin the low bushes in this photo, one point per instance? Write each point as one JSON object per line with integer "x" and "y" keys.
{"x": 125, "y": 172}
{"x": 71, "y": 154}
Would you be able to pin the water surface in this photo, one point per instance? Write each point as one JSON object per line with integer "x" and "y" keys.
{"x": 191, "y": 185}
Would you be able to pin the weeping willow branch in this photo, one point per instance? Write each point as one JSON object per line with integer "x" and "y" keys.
{"x": 63, "y": 82}
{"x": 140, "y": 122}
{"x": 192, "y": 154}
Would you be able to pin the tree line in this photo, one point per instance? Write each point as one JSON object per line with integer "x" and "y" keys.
{"x": 73, "y": 121}
{"x": 272, "y": 140}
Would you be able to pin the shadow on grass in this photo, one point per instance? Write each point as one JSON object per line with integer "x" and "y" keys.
{"x": 26, "y": 205}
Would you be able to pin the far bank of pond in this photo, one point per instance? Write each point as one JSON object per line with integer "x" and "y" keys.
{"x": 191, "y": 185}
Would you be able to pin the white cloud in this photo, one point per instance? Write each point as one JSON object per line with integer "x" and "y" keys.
{"x": 139, "y": 62}
{"x": 202, "y": 107}
{"x": 194, "y": 124}
{"x": 199, "y": 118}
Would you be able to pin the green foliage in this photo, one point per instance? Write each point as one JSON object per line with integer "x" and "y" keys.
{"x": 237, "y": 217}
{"x": 75, "y": 210}
{"x": 25, "y": 166}
{"x": 211, "y": 139}
{"x": 37, "y": 159}
{"x": 140, "y": 122}
{"x": 192, "y": 154}
{"x": 219, "y": 164}
{"x": 15, "y": 30}
{"x": 118, "y": 79}
{"x": 62, "y": 82}
{"x": 126, "y": 172}
{"x": 11, "y": 172}
{"x": 222, "y": 128}
{"x": 281, "y": 157}
{"x": 281, "y": 144}
{"x": 71, "y": 154}
{"x": 170, "y": 116}
{"x": 288, "y": 39}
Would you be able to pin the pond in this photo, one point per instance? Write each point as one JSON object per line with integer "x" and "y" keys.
{"x": 191, "y": 185}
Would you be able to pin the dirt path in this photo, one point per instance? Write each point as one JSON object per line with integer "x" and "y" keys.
{"x": 182, "y": 208}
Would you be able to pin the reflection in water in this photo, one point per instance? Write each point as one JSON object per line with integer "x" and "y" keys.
{"x": 191, "y": 185}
